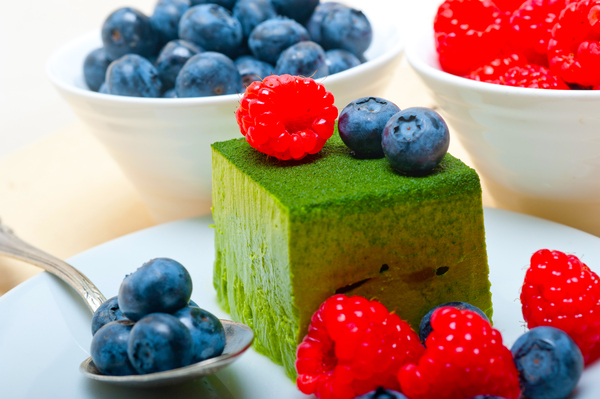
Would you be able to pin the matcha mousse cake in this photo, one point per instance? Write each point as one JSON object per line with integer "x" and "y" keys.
{"x": 288, "y": 235}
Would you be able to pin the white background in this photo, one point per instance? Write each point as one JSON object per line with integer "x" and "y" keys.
{"x": 31, "y": 30}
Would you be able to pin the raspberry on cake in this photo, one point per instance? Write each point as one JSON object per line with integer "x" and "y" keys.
{"x": 290, "y": 235}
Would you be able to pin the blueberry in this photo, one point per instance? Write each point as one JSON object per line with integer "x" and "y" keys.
{"x": 103, "y": 88}
{"x": 133, "y": 76}
{"x": 128, "y": 31}
{"x": 94, "y": 68}
{"x": 228, "y": 4}
{"x": 213, "y": 28}
{"x": 415, "y": 141}
{"x": 172, "y": 58}
{"x": 251, "y": 13}
{"x": 486, "y": 397}
{"x": 160, "y": 285}
{"x": 340, "y": 60}
{"x": 303, "y": 59}
{"x": 208, "y": 335}
{"x": 192, "y": 303}
{"x": 549, "y": 363}
{"x": 361, "y": 124}
{"x": 347, "y": 29}
{"x": 165, "y": 19}
{"x": 300, "y": 10}
{"x": 316, "y": 19}
{"x": 381, "y": 393}
{"x": 253, "y": 70}
{"x": 270, "y": 38}
{"x": 109, "y": 348}
{"x": 159, "y": 342}
{"x": 425, "y": 326}
{"x": 170, "y": 94}
{"x": 208, "y": 74}
{"x": 107, "y": 312}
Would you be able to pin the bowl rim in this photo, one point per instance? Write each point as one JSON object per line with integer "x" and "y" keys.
{"x": 425, "y": 40}
{"x": 393, "y": 52}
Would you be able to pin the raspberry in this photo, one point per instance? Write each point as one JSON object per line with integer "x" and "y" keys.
{"x": 531, "y": 28}
{"x": 465, "y": 357}
{"x": 354, "y": 346}
{"x": 493, "y": 71}
{"x": 508, "y": 5}
{"x": 560, "y": 291}
{"x": 468, "y": 34}
{"x": 287, "y": 116}
{"x": 533, "y": 76}
{"x": 574, "y": 50}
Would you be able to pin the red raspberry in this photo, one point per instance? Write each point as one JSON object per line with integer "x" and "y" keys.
{"x": 531, "y": 28}
{"x": 464, "y": 358}
{"x": 533, "y": 76}
{"x": 508, "y": 5}
{"x": 287, "y": 116}
{"x": 468, "y": 34}
{"x": 354, "y": 346}
{"x": 574, "y": 50}
{"x": 560, "y": 291}
{"x": 492, "y": 72}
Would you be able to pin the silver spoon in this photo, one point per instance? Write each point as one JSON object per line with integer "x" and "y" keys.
{"x": 238, "y": 337}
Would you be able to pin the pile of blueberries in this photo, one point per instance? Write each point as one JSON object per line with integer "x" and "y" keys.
{"x": 152, "y": 325}
{"x": 414, "y": 140}
{"x": 187, "y": 47}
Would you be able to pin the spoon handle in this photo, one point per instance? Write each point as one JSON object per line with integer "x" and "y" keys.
{"x": 13, "y": 246}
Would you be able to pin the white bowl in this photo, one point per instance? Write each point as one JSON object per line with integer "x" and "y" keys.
{"x": 163, "y": 145}
{"x": 538, "y": 151}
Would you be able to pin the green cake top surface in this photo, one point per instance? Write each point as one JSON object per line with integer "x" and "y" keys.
{"x": 335, "y": 178}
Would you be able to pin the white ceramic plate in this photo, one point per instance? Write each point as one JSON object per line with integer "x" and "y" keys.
{"x": 45, "y": 327}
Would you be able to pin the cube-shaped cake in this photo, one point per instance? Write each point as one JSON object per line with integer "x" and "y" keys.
{"x": 288, "y": 235}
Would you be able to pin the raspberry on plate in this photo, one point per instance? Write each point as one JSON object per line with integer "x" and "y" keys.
{"x": 574, "y": 50}
{"x": 465, "y": 357}
{"x": 532, "y": 76}
{"x": 531, "y": 28}
{"x": 468, "y": 34}
{"x": 287, "y": 116}
{"x": 561, "y": 291}
{"x": 354, "y": 346}
{"x": 492, "y": 72}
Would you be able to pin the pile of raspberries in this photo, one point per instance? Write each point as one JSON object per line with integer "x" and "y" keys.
{"x": 547, "y": 44}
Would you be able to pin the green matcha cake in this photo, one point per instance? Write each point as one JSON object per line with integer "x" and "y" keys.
{"x": 288, "y": 235}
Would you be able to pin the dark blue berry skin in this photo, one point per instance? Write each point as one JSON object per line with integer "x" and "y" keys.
{"x": 486, "y": 397}
{"x": 228, "y": 4}
{"x": 361, "y": 125}
{"x": 159, "y": 342}
{"x": 133, "y": 76}
{"x": 170, "y": 94}
{"x": 253, "y": 70}
{"x": 109, "y": 348}
{"x": 549, "y": 363}
{"x": 213, "y": 28}
{"x": 300, "y": 10}
{"x": 166, "y": 17}
{"x": 192, "y": 303}
{"x": 94, "y": 68}
{"x": 340, "y": 60}
{"x": 103, "y": 88}
{"x": 251, "y": 13}
{"x": 208, "y": 336}
{"x": 303, "y": 59}
{"x": 381, "y": 393}
{"x": 316, "y": 19}
{"x": 172, "y": 58}
{"x": 107, "y": 312}
{"x": 161, "y": 285}
{"x": 415, "y": 141}
{"x": 208, "y": 74}
{"x": 347, "y": 29}
{"x": 270, "y": 38}
{"x": 425, "y": 326}
{"x": 129, "y": 31}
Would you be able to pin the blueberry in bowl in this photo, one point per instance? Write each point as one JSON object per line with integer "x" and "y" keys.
{"x": 347, "y": 29}
{"x": 316, "y": 19}
{"x": 165, "y": 19}
{"x": 340, "y": 60}
{"x": 299, "y": 10}
{"x": 270, "y": 38}
{"x": 228, "y": 4}
{"x": 252, "y": 69}
{"x": 94, "y": 68}
{"x": 172, "y": 58}
{"x": 129, "y": 31}
{"x": 303, "y": 59}
{"x": 208, "y": 74}
{"x": 133, "y": 76}
{"x": 251, "y": 13}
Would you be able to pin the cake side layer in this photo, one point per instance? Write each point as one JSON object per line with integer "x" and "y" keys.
{"x": 251, "y": 271}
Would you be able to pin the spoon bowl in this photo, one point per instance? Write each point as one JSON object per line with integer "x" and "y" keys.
{"x": 238, "y": 336}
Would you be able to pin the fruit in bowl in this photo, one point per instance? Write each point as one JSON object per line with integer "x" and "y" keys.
{"x": 144, "y": 56}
